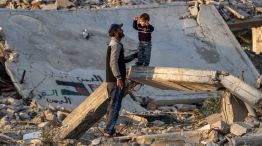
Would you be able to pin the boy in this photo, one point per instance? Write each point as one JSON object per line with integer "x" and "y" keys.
{"x": 144, "y": 35}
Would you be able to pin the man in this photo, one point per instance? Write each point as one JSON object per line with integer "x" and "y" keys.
{"x": 115, "y": 77}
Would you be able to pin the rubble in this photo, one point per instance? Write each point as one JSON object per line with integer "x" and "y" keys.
{"x": 240, "y": 129}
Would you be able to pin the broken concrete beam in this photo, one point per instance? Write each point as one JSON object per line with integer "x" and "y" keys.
{"x": 245, "y": 24}
{"x": 231, "y": 107}
{"x": 242, "y": 90}
{"x": 239, "y": 128}
{"x": 235, "y": 12}
{"x": 175, "y": 78}
{"x": 255, "y": 140}
{"x": 192, "y": 137}
{"x": 84, "y": 116}
{"x": 186, "y": 98}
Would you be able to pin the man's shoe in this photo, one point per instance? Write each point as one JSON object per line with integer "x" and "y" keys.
{"x": 107, "y": 133}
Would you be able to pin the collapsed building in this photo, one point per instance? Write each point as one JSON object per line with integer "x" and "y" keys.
{"x": 50, "y": 61}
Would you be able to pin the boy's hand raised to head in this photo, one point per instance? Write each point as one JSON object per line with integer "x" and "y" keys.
{"x": 136, "y": 18}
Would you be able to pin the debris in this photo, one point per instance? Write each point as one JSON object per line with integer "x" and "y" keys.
{"x": 187, "y": 137}
{"x": 255, "y": 140}
{"x": 85, "y": 34}
{"x": 61, "y": 115}
{"x": 130, "y": 105}
{"x": 49, "y": 115}
{"x": 158, "y": 123}
{"x": 185, "y": 107}
{"x": 206, "y": 127}
{"x": 97, "y": 141}
{"x": 231, "y": 106}
{"x": 84, "y": 116}
{"x": 240, "y": 128}
{"x": 193, "y": 10}
{"x": 213, "y": 118}
{"x": 186, "y": 98}
{"x": 48, "y": 7}
{"x": 136, "y": 118}
{"x": 259, "y": 9}
{"x": 34, "y": 135}
{"x": 63, "y": 4}
{"x": 234, "y": 12}
{"x": 213, "y": 136}
{"x": 44, "y": 124}
{"x": 4, "y": 139}
{"x": 220, "y": 125}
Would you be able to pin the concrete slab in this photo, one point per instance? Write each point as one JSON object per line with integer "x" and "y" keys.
{"x": 62, "y": 68}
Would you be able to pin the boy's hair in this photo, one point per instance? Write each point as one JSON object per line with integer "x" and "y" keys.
{"x": 144, "y": 16}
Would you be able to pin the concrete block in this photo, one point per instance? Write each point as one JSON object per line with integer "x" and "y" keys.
{"x": 240, "y": 128}
{"x": 63, "y": 3}
{"x": 206, "y": 127}
{"x": 213, "y": 118}
{"x": 48, "y": 7}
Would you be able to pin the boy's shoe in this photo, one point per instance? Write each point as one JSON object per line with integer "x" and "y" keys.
{"x": 146, "y": 64}
{"x": 138, "y": 64}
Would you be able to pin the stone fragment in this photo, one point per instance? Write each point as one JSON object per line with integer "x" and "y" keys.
{"x": 49, "y": 115}
{"x": 193, "y": 10}
{"x": 158, "y": 123}
{"x": 61, "y": 115}
{"x": 24, "y": 116}
{"x": 239, "y": 128}
{"x": 206, "y": 127}
{"x": 213, "y": 118}
{"x": 48, "y": 7}
{"x": 63, "y": 3}
{"x": 44, "y": 124}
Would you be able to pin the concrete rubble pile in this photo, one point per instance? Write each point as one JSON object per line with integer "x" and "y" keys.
{"x": 73, "y": 4}
{"x": 50, "y": 4}
{"x": 144, "y": 122}
{"x": 232, "y": 10}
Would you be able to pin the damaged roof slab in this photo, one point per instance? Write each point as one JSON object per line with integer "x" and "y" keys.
{"x": 62, "y": 68}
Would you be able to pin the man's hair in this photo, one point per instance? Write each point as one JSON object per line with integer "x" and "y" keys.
{"x": 144, "y": 16}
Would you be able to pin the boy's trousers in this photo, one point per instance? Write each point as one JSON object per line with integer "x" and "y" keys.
{"x": 144, "y": 53}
